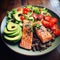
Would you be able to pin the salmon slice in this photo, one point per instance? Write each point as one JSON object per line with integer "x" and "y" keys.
{"x": 43, "y": 34}
{"x": 27, "y": 36}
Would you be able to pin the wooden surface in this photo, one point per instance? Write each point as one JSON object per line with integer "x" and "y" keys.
{"x": 6, "y": 5}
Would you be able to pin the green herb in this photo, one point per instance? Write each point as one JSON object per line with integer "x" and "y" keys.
{"x": 31, "y": 29}
{"x": 37, "y": 26}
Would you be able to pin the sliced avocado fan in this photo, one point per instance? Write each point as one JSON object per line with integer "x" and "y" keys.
{"x": 16, "y": 38}
{"x": 12, "y": 34}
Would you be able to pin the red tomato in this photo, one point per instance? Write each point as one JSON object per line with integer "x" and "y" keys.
{"x": 54, "y": 20}
{"x": 57, "y": 32}
{"x": 25, "y": 12}
{"x": 26, "y": 9}
{"x": 34, "y": 15}
{"x": 40, "y": 16}
{"x": 22, "y": 17}
{"x": 47, "y": 18}
{"x": 18, "y": 9}
{"x": 45, "y": 23}
{"x": 54, "y": 27}
{"x": 50, "y": 25}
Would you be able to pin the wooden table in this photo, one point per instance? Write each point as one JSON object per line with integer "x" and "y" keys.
{"x": 6, "y": 5}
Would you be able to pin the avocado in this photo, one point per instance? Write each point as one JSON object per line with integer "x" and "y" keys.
{"x": 16, "y": 32}
{"x": 11, "y": 26}
{"x": 12, "y": 35}
{"x": 16, "y": 15}
{"x": 15, "y": 38}
{"x": 8, "y": 32}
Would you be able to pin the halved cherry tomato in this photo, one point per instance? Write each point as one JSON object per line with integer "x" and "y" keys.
{"x": 18, "y": 9}
{"x": 34, "y": 15}
{"x": 47, "y": 18}
{"x": 22, "y": 17}
{"x": 54, "y": 27}
{"x": 40, "y": 16}
{"x": 53, "y": 20}
{"x": 57, "y": 32}
{"x": 45, "y": 23}
{"x": 25, "y": 12}
{"x": 26, "y": 9}
{"x": 50, "y": 24}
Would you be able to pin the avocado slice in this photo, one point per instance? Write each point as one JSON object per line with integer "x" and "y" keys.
{"x": 16, "y": 32}
{"x": 15, "y": 38}
{"x": 8, "y": 32}
{"x": 16, "y": 15}
{"x": 12, "y": 26}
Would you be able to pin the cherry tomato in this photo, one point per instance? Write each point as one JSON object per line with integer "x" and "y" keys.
{"x": 26, "y": 9}
{"x": 40, "y": 16}
{"x": 54, "y": 20}
{"x": 57, "y": 32}
{"x": 18, "y": 9}
{"x": 22, "y": 17}
{"x": 25, "y": 12}
{"x": 50, "y": 24}
{"x": 47, "y": 18}
{"x": 54, "y": 27}
{"x": 34, "y": 15}
{"x": 45, "y": 23}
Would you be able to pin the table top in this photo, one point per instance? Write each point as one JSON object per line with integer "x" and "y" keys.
{"x": 53, "y": 5}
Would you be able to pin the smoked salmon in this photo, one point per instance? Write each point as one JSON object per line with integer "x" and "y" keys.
{"x": 26, "y": 41}
{"x": 43, "y": 34}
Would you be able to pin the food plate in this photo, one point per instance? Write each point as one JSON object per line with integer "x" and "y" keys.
{"x": 30, "y": 52}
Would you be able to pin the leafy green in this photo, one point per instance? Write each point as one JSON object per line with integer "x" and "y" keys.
{"x": 31, "y": 19}
{"x": 29, "y": 13}
{"x": 9, "y": 14}
{"x": 29, "y": 6}
{"x": 44, "y": 10}
{"x": 36, "y": 10}
{"x": 14, "y": 11}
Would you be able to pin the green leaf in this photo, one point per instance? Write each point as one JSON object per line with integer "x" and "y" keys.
{"x": 14, "y": 11}
{"x": 9, "y": 14}
{"x": 31, "y": 19}
{"x": 36, "y": 10}
{"x": 29, "y": 6}
{"x": 44, "y": 10}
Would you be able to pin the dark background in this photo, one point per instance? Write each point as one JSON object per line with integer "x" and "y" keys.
{"x": 5, "y": 52}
